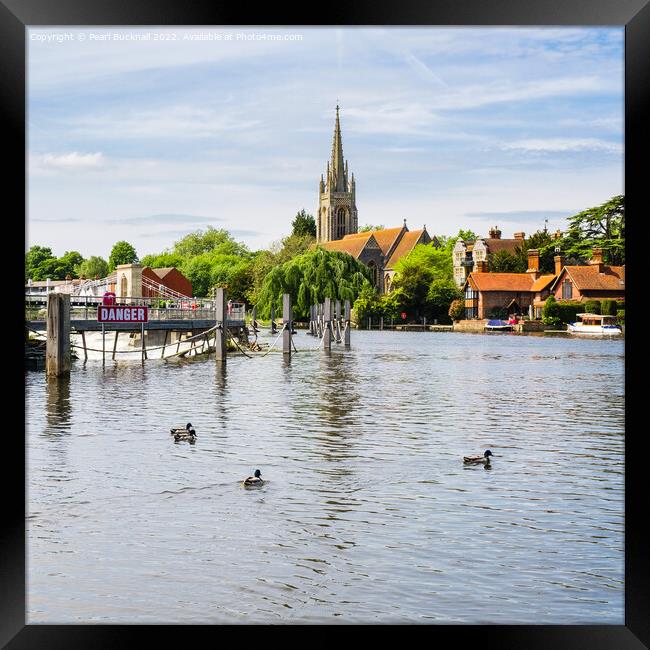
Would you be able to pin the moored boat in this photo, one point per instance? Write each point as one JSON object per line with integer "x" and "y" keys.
{"x": 498, "y": 326}
{"x": 598, "y": 324}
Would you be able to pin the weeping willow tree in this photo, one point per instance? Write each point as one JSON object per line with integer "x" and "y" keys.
{"x": 309, "y": 279}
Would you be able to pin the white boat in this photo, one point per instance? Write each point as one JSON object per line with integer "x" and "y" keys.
{"x": 595, "y": 324}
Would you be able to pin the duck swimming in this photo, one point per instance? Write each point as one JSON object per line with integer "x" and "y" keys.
{"x": 189, "y": 435}
{"x": 187, "y": 428}
{"x": 254, "y": 480}
{"x": 478, "y": 460}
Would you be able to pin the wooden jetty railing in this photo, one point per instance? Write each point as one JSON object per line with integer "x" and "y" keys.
{"x": 214, "y": 319}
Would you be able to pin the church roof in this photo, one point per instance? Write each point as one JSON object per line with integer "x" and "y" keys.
{"x": 406, "y": 244}
{"x": 352, "y": 244}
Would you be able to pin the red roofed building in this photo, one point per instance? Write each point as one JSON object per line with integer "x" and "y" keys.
{"x": 380, "y": 250}
{"x": 516, "y": 292}
{"x": 596, "y": 281}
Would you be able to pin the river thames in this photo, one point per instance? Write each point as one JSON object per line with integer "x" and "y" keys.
{"x": 368, "y": 513}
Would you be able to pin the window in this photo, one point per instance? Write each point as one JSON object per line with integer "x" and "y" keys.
{"x": 471, "y": 302}
{"x": 340, "y": 223}
{"x": 567, "y": 290}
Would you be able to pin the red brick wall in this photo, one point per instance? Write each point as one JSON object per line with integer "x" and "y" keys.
{"x": 489, "y": 299}
{"x": 174, "y": 280}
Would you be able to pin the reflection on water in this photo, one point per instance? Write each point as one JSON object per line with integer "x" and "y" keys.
{"x": 368, "y": 514}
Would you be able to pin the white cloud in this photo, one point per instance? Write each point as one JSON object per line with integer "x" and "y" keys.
{"x": 564, "y": 144}
{"x": 72, "y": 160}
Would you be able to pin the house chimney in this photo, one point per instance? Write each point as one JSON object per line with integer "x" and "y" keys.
{"x": 597, "y": 259}
{"x": 481, "y": 267}
{"x": 559, "y": 264}
{"x": 533, "y": 262}
{"x": 495, "y": 233}
{"x": 520, "y": 235}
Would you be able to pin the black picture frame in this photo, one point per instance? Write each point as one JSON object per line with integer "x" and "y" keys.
{"x": 16, "y": 15}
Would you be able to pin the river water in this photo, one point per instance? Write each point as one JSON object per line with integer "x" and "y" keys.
{"x": 368, "y": 513}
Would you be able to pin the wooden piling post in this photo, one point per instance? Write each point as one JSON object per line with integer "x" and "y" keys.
{"x": 143, "y": 346}
{"x": 273, "y": 328}
{"x": 115, "y": 343}
{"x": 220, "y": 332}
{"x": 162, "y": 356}
{"x": 288, "y": 325}
{"x": 346, "y": 319}
{"x": 327, "y": 317}
{"x": 83, "y": 339}
{"x": 337, "y": 320}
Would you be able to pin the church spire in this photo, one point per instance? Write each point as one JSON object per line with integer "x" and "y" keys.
{"x": 339, "y": 180}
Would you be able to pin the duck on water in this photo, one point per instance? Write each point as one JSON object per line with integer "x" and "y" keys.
{"x": 254, "y": 481}
{"x": 188, "y": 433}
{"x": 478, "y": 460}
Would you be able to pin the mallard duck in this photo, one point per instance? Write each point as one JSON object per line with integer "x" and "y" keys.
{"x": 254, "y": 480}
{"x": 185, "y": 434}
{"x": 478, "y": 460}
{"x": 185, "y": 429}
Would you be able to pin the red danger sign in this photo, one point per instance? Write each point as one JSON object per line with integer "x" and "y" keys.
{"x": 117, "y": 314}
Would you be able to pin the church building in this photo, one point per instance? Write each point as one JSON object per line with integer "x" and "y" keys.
{"x": 337, "y": 224}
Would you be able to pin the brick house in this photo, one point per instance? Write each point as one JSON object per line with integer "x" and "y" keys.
{"x": 513, "y": 292}
{"x": 596, "y": 281}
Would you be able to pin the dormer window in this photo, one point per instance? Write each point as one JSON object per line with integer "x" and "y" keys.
{"x": 567, "y": 290}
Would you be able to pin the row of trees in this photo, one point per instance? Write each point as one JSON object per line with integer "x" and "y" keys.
{"x": 422, "y": 287}
{"x": 41, "y": 264}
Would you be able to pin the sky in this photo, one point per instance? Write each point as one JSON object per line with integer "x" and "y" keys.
{"x": 148, "y": 134}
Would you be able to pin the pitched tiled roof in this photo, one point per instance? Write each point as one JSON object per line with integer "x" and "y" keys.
{"x": 502, "y": 281}
{"x": 404, "y": 247}
{"x": 352, "y": 244}
{"x": 587, "y": 278}
{"x": 542, "y": 282}
{"x": 386, "y": 237}
{"x": 494, "y": 245}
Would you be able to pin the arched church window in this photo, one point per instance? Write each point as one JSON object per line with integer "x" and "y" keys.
{"x": 340, "y": 223}
{"x": 373, "y": 270}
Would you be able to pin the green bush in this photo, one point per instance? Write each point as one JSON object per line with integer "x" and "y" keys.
{"x": 592, "y": 306}
{"x": 608, "y": 307}
{"x": 551, "y": 312}
{"x": 567, "y": 310}
{"x": 620, "y": 316}
{"x": 457, "y": 309}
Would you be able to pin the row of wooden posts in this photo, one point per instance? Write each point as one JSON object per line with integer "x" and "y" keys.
{"x": 326, "y": 322}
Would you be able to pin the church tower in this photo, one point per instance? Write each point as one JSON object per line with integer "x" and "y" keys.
{"x": 337, "y": 210}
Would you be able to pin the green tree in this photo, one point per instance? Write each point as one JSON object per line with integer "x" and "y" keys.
{"x": 311, "y": 277}
{"x": 92, "y": 267}
{"x": 163, "y": 260}
{"x": 367, "y": 228}
{"x": 122, "y": 253}
{"x": 439, "y": 298}
{"x": 34, "y": 258}
{"x": 602, "y": 226}
{"x": 303, "y": 224}
{"x": 504, "y": 262}
{"x": 210, "y": 240}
